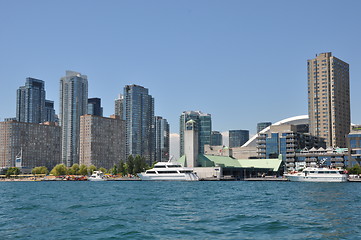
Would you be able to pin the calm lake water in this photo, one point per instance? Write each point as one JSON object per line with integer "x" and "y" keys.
{"x": 179, "y": 210}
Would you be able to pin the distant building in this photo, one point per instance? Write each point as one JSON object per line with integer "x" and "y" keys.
{"x": 138, "y": 113}
{"x": 73, "y": 104}
{"x": 162, "y": 139}
{"x": 39, "y": 144}
{"x": 102, "y": 141}
{"x": 94, "y": 107}
{"x": 238, "y": 137}
{"x": 118, "y": 106}
{"x": 50, "y": 111}
{"x": 262, "y": 125}
{"x": 354, "y": 145}
{"x": 204, "y": 126}
{"x": 286, "y": 140}
{"x": 330, "y": 157}
{"x": 216, "y": 138}
{"x": 10, "y": 119}
{"x": 329, "y": 99}
{"x": 249, "y": 149}
{"x": 30, "y": 101}
{"x": 191, "y": 141}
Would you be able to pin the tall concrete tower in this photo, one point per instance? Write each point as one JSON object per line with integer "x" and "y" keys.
{"x": 191, "y": 142}
{"x": 329, "y": 99}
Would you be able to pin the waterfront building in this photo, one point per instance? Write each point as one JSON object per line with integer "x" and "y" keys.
{"x": 329, "y": 157}
{"x": 216, "y": 138}
{"x": 217, "y": 164}
{"x": 191, "y": 141}
{"x": 249, "y": 149}
{"x": 49, "y": 111}
{"x": 238, "y": 137}
{"x": 262, "y": 125}
{"x": 39, "y": 144}
{"x": 354, "y": 145}
{"x": 102, "y": 141}
{"x": 329, "y": 98}
{"x": 30, "y": 101}
{"x": 73, "y": 104}
{"x": 161, "y": 139}
{"x": 138, "y": 113}
{"x": 118, "y": 106}
{"x": 286, "y": 140}
{"x": 204, "y": 126}
{"x": 94, "y": 107}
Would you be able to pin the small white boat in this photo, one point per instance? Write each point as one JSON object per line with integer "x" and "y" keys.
{"x": 168, "y": 171}
{"x": 316, "y": 174}
{"x": 97, "y": 176}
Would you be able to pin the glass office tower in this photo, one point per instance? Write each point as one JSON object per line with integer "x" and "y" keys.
{"x": 204, "y": 126}
{"x": 238, "y": 137}
{"x": 73, "y": 104}
{"x": 138, "y": 113}
{"x": 161, "y": 139}
{"x": 30, "y": 102}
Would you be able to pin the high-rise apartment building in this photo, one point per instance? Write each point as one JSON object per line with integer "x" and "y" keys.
{"x": 30, "y": 101}
{"x": 262, "y": 125}
{"x": 329, "y": 99}
{"x": 161, "y": 139}
{"x": 49, "y": 111}
{"x": 118, "y": 106}
{"x": 94, "y": 107}
{"x": 138, "y": 113}
{"x": 216, "y": 138}
{"x": 102, "y": 141}
{"x": 73, "y": 104}
{"x": 238, "y": 137}
{"x": 39, "y": 144}
{"x": 204, "y": 128}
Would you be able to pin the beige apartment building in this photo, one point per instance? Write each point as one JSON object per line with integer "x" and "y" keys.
{"x": 329, "y": 99}
{"x": 102, "y": 141}
{"x": 40, "y": 144}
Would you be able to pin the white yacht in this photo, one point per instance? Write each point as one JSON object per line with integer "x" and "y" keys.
{"x": 168, "y": 171}
{"x": 317, "y": 174}
{"x": 97, "y": 176}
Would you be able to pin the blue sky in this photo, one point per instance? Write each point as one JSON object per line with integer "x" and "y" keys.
{"x": 241, "y": 61}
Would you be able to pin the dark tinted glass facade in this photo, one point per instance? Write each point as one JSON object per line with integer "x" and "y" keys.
{"x": 30, "y": 102}
{"x": 238, "y": 137}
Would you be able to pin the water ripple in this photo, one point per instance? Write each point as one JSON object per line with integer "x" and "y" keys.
{"x": 179, "y": 210}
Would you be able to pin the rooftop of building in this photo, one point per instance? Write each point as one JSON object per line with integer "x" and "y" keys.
{"x": 229, "y": 162}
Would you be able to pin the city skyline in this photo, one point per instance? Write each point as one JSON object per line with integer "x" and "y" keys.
{"x": 190, "y": 52}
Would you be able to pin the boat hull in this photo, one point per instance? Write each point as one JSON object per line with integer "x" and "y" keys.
{"x": 168, "y": 177}
{"x": 96, "y": 179}
{"x": 302, "y": 178}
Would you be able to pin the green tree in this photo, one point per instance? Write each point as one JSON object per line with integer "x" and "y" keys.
{"x": 354, "y": 170}
{"x": 91, "y": 169}
{"x": 12, "y": 171}
{"x": 83, "y": 170}
{"x": 122, "y": 169}
{"x": 59, "y": 170}
{"x": 74, "y": 170}
{"x": 103, "y": 170}
{"x": 140, "y": 165}
{"x": 130, "y": 164}
{"x": 114, "y": 170}
{"x": 40, "y": 170}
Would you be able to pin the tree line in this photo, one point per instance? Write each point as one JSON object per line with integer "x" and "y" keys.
{"x": 131, "y": 166}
